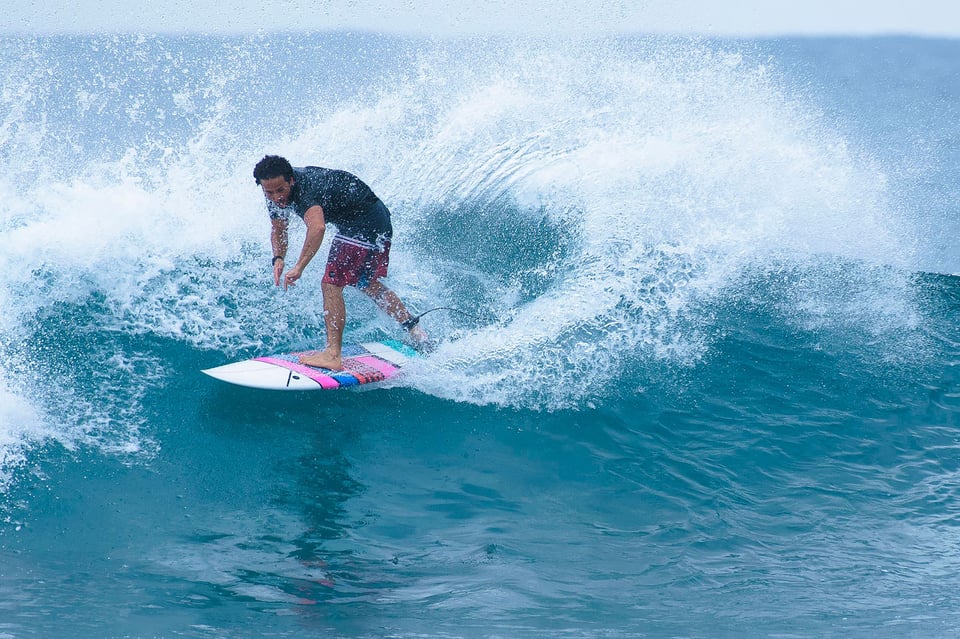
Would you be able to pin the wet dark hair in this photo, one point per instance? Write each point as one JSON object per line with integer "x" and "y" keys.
{"x": 272, "y": 166}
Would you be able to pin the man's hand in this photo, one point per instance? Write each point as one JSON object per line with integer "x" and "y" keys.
{"x": 291, "y": 277}
{"x": 277, "y": 271}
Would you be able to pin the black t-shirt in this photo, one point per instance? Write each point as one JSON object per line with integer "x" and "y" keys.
{"x": 347, "y": 202}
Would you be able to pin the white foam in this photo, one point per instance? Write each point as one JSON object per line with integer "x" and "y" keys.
{"x": 681, "y": 175}
{"x": 661, "y": 173}
{"x": 20, "y": 428}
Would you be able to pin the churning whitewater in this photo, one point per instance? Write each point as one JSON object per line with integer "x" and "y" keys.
{"x": 700, "y": 379}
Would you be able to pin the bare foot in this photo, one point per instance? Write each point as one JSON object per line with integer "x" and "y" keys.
{"x": 421, "y": 341}
{"x": 323, "y": 359}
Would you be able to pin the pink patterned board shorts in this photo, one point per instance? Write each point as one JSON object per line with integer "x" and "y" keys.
{"x": 354, "y": 262}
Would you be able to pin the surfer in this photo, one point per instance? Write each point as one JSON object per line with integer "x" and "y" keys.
{"x": 359, "y": 253}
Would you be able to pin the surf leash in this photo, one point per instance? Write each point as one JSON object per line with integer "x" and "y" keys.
{"x": 415, "y": 319}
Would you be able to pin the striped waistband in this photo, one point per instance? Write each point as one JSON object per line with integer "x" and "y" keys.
{"x": 352, "y": 241}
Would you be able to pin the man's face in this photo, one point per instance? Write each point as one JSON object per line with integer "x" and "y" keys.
{"x": 277, "y": 190}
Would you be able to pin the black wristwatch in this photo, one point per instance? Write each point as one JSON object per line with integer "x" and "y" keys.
{"x": 275, "y": 258}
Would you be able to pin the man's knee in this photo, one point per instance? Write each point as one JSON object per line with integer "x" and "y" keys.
{"x": 329, "y": 288}
{"x": 374, "y": 290}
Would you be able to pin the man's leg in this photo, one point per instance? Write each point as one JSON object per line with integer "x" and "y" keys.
{"x": 391, "y": 304}
{"x": 335, "y": 317}
{"x": 387, "y": 300}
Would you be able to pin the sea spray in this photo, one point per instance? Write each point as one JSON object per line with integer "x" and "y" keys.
{"x": 598, "y": 202}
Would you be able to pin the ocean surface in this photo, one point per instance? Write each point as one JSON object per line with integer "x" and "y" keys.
{"x": 702, "y": 379}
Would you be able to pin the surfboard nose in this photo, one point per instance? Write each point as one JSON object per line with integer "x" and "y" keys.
{"x": 255, "y": 374}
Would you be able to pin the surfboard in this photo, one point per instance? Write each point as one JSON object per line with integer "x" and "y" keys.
{"x": 365, "y": 363}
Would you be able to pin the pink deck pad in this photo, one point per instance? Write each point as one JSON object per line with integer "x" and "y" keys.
{"x": 385, "y": 367}
{"x": 326, "y": 381}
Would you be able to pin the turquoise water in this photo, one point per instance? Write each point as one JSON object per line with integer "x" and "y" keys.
{"x": 706, "y": 386}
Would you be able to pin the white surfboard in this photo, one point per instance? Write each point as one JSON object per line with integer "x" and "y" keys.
{"x": 364, "y": 363}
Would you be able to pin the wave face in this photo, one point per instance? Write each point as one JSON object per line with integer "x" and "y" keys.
{"x": 660, "y": 252}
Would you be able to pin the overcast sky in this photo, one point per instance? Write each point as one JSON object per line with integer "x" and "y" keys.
{"x": 455, "y": 17}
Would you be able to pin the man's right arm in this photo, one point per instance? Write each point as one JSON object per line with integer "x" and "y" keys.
{"x": 278, "y": 241}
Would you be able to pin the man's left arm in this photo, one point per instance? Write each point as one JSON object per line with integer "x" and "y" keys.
{"x": 316, "y": 227}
